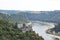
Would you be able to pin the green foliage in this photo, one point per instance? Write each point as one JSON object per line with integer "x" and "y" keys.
{"x": 15, "y": 25}
{"x": 10, "y": 33}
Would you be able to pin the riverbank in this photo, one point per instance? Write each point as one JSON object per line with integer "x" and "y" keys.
{"x": 50, "y": 34}
{"x": 42, "y": 29}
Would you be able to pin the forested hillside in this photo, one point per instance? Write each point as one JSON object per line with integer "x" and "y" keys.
{"x": 15, "y": 18}
{"x": 9, "y": 31}
{"x": 49, "y": 16}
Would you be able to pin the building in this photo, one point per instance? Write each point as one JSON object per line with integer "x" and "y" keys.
{"x": 25, "y": 27}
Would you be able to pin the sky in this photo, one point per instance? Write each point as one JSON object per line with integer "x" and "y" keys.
{"x": 30, "y": 5}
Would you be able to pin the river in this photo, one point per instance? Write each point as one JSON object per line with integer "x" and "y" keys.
{"x": 41, "y": 31}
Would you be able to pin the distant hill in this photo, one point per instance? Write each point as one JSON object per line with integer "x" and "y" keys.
{"x": 49, "y": 16}
{"x": 9, "y": 11}
{"x": 13, "y": 18}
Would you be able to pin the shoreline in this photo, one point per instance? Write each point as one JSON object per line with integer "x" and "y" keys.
{"x": 52, "y": 26}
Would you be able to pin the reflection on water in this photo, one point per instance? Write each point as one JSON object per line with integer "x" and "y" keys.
{"x": 40, "y": 29}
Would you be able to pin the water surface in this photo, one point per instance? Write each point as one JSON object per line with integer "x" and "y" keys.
{"x": 40, "y": 29}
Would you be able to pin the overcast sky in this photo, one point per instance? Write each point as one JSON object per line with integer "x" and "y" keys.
{"x": 30, "y": 5}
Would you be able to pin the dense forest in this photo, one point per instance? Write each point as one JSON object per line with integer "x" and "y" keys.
{"x": 9, "y": 31}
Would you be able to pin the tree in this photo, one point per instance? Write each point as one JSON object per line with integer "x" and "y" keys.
{"x": 15, "y": 25}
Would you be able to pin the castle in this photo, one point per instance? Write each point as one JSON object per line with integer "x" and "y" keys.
{"x": 25, "y": 27}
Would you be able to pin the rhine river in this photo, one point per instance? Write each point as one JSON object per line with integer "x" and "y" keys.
{"x": 41, "y": 30}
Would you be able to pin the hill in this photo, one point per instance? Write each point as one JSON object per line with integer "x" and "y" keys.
{"x": 13, "y": 18}
{"x": 48, "y": 16}
{"x": 9, "y": 32}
